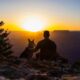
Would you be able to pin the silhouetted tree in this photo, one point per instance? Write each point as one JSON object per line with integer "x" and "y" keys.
{"x": 5, "y": 46}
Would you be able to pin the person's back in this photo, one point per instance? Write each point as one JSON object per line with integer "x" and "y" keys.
{"x": 47, "y": 48}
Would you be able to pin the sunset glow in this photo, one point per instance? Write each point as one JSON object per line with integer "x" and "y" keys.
{"x": 33, "y": 24}
{"x": 38, "y": 15}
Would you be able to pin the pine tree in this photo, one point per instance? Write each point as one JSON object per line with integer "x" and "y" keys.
{"x": 5, "y": 46}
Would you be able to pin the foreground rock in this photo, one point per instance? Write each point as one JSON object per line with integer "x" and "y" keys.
{"x": 39, "y": 70}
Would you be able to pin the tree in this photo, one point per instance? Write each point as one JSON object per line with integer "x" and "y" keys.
{"x": 5, "y": 46}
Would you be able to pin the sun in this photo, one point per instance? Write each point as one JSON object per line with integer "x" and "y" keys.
{"x": 33, "y": 24}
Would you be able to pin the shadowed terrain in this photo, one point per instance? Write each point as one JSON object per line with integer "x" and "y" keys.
{"x": 68, "y": 42}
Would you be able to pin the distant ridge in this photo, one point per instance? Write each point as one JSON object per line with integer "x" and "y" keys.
{"x": 68, "y": 42}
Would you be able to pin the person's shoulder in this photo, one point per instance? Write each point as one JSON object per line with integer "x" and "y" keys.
{"x": 52, "y": 41}
{"x": 41, "y": 41}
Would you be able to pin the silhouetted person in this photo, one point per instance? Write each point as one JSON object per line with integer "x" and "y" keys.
{"x": 47, "y": 48}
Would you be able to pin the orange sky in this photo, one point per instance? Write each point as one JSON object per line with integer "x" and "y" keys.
{"x": 15, "y": 27}
{"x": 57, "y": 14}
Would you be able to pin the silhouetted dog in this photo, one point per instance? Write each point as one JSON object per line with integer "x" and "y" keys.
{"x": 28, "y": 52}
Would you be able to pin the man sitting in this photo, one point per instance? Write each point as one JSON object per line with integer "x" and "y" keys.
{"x": 47, "y": 48}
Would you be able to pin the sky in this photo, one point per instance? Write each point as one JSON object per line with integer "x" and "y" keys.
{"x": 58, "y": 14}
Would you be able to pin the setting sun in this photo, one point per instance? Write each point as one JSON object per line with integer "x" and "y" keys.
{"x": 33, "y": 24}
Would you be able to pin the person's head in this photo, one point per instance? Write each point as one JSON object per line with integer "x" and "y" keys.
{"x": 46, "y": 34}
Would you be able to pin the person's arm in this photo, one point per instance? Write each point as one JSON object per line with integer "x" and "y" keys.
{"x": 35, "y": 50}
{"x": 37, "y": 47}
